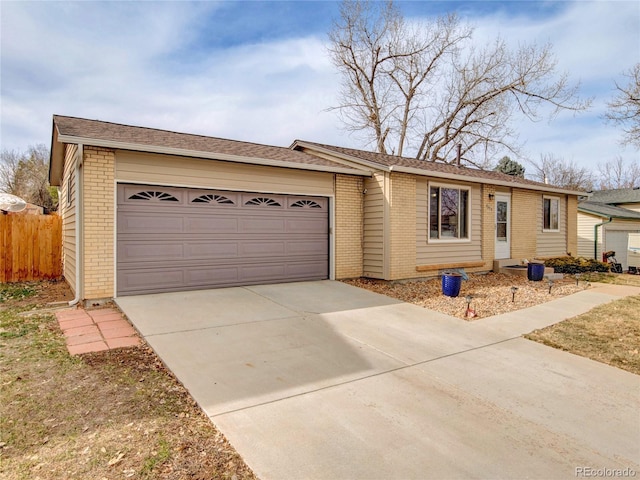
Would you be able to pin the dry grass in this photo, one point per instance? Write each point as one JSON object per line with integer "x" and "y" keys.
{"x": 609, "y": 333}
{"x": 118, "y": 414}
{"x": 613, "y": 278}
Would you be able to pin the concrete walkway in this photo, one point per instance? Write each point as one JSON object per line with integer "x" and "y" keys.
{"x": 526, "y": 320}
{"x": 324, "y": 380}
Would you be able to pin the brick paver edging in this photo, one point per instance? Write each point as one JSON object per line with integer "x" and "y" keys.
{"x": 89, "y": 331}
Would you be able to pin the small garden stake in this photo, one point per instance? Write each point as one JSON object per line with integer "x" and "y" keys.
{"x": 513, "y": 293}
{"x": 550, "y": 285}
{"x": 469, "y": 313}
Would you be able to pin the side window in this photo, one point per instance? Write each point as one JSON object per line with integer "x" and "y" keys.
{"x": 550, "y": 214}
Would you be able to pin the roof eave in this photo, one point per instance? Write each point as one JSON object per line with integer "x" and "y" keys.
{"x": 207, "y": 155}
{"x": 343, "y": 156}
{"x": 56, "y": 159}
{"x": 502, "y": 183}
{"x": 432, "y": 173}
{"x": 606, "y": 215}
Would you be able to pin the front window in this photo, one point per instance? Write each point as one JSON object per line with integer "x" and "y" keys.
{"x": 448, "y": 213}
{"x": 550, "y": 214}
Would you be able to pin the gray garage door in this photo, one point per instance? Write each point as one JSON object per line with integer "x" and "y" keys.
{"x": 618, "y": 241}
{"x": 172, "y": 239}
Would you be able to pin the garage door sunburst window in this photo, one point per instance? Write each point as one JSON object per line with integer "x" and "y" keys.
{"x": 153, "y": 195}
{"x": 211, "y": 198}
{"x": 263, "y": 202}
{"x": 306, "y": 203}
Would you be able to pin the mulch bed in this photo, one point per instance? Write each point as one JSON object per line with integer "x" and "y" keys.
{"x": 491, "y": 293}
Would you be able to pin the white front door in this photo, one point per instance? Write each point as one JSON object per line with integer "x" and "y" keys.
{"x": 503, "y": 226}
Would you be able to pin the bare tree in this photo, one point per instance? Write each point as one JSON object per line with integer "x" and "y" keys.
{"x": 424, "y": 88}
{"x": 26, "y": 174}
{"x": 384, "y": 63}
{"x": 9, "y": 161}
{"x": 561, "y": 173}
{"x": 618, "y": 173}
{"x": 624, "y": 109}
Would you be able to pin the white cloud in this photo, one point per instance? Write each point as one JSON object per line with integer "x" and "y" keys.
{"x": 75, "y": 58}
{"x": 121, "y": 62}
{"x": 594, "y": 42}
{"x": 152, "y": 64}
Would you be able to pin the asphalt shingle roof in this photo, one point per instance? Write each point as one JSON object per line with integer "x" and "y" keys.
{"x": 127, "y": 134}
{"x": 616, "y": 196}
{"x": 393, "y": 160}
{"x": 137, "y": 138}
{"x": 606, "y": 210}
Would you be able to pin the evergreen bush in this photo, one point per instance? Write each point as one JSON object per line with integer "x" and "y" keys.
{"x": 576, "y": 265}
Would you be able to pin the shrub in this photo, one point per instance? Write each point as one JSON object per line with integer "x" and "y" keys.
{"x": 576, "y": 265}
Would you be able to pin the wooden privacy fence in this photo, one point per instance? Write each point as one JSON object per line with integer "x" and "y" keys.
{"x": 30, "y": 247}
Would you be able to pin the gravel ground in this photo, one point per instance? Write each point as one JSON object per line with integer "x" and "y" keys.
{"x": 491, "y": 293}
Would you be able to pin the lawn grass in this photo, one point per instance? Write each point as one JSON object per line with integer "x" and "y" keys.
{"x": 612, "y": 278}
{"x": 121, "y": 414}
{"x": 16, "y": 291}
{"x": 609, "y": 333}
{"x": 116, "y": 414}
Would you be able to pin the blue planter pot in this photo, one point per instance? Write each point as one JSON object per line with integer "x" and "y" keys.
{"x": 451, "y": 283}
{"x": 535, "y": 271}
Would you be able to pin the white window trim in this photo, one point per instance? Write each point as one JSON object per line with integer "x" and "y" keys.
{"x": 550, "y": 230}
{"x": 469, "y": 207}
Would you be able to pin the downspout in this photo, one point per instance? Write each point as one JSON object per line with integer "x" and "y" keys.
{"x": 79, "y": 246}
{"x": 595, "y": 235}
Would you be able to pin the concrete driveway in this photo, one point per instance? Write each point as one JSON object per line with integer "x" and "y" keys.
{"x": 324, "y": 380}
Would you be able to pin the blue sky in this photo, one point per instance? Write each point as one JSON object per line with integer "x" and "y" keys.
{"x": 259, "y": 71}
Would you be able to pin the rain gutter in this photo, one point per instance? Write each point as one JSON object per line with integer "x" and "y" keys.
{"x": 595, "y": 236}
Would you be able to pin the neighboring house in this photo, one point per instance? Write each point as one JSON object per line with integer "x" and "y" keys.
{"x": 148, "y": 210}
{"x": 607, "y": 221}
{"x": 31, "y": 209}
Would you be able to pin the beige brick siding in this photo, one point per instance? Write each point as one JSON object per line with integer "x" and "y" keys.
{"x": 145, "y": 168}
{"x": 348, "y": 226}
{"x": 586, "y": 238}
{"x": 402, "y": 219}
{"x": 488, "y": 225}
{"x": 631, "y": 206}
{"x": 67, "y": 209}
{"x": 525, "y": 206}
{"x": 440, "y": 253}
{"x": 572, "y": 225}
{"x": 99, "y": 224}
{"x": 374, "y": 228}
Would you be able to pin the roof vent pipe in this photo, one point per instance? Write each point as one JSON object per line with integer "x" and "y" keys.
{"x": 458, "y": 154}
